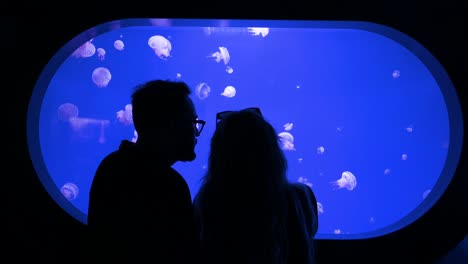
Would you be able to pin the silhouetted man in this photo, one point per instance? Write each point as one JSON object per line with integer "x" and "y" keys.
{"x": 140, "y": 208}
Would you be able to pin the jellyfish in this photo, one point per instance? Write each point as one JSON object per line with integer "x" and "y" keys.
{"x": 319, "y": 208}
{"x": 256, "y": 31}
{"x": 101, "y": 77}
{"x": 202, "y": 90}
{"x": 178, "y": 76}
{"x": 286, "y": 141}
{"x": 85, "y": 128}
{"x": 84, "y": 51}
{"x": 387, "y": 171}
{"x": 299, "y": 160}
{"x": 288, "y": 126}
{"x": 70, "y": 191}
{"x": 101, "y": 53}
{"x": 320, "y": 150}
{"x": 221, "y": 55}
{"x": 119, "y": 45}
{"x": 337, "y": 231}
{"x": 229, "y": 91}
{"x": 371, "y": 220}
{"x": 395, "y": 74}
{"x": 135, "y": 136}
{"x": 409, "y": 129}
{"x": 125, "y": 116}
{"x": 347, "y": 181}
{"x": 102, "y": 134}
{"x": 425, "y": 194}
{"x": 67, "y": 111}
{"x": 229, "y": 69}
{"x": 404, "y": 157}
{"x": 208, "y": 30}
{"x": 161, "y": 46}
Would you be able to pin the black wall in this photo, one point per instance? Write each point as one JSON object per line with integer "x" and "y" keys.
{"x": 40, "y": 229}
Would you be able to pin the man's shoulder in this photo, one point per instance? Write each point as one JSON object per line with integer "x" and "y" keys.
{"x": 113, "y": 163}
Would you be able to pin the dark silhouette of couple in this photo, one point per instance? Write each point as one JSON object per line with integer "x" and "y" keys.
{"x": 246, "y": 211}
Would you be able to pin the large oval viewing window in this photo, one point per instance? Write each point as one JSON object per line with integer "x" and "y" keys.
{"x": 367, "y": 116}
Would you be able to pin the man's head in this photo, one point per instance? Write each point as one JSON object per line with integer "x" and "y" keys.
{"x": 165, "y": 119}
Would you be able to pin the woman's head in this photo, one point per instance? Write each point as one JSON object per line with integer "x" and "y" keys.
{"x": 246, "y": 145}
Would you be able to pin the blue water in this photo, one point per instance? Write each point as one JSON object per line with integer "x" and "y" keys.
{"x": 336, "y": 86}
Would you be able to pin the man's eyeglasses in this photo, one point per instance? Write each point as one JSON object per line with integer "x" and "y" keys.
{"x": 198, "y": 125}
{"x": 221, "y": 115}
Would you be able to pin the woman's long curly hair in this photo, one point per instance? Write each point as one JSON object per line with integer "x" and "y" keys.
{"x": 243, "y": 195}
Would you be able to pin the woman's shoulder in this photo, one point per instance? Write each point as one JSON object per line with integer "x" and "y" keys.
{"x": 304, "y": 197}
{"x": 302, "y": 191}
{"x": 305, "y": 202}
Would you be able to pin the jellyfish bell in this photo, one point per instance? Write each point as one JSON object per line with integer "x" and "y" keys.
{"x": 320, "y": 208}
{"x": 347, "y": 180}
{"x": 67, "y": 111}
{"x": 125, "y": 116}
{"x": 119, "y": 45}
{"x": 202, "y": 90}
{"x": 288, "y": 126}
{"x": 101, "y": 53}
{"x": 229, "y": 91}
{"x": 225, "y": 54}
{"x": 120, "y": 115}
{"x": 84, "y": 51}
{"x": 229, "y": 69}
{"x": 70, "y": 191}
{"x": 286, "y": 136}
{"x": 395, "y": 74}
{"x": 221, "y": 55}
{"x": 162, "y": 47}
{"x": 129, "y": 108}
{"x": 101, "y": 77}
{"x": 320, "y": 150}
{"x": 156, "y": 41}
{"x": 286, "y": 141}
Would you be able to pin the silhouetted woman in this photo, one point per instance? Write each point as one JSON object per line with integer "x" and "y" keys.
{"x": 246, "y": 210}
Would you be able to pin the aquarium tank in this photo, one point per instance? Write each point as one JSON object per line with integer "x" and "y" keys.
{"x": 366, "y": 116}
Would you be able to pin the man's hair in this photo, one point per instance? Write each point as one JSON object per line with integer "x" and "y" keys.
{"x": 158, "y": 100}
